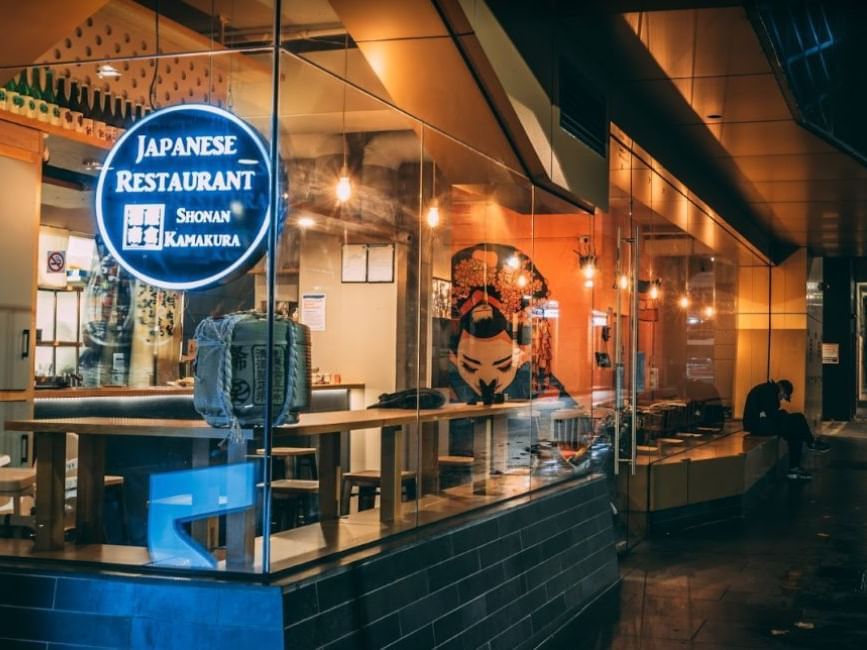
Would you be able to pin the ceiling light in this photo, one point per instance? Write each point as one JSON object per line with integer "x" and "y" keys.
{"x": 709, "y": 311}
{"x": 683, "y": 302}
{"x": 306, "y": 222}
{"x": 513, "y": 262}
{"x": 654, "y": 292}
{"x": 344, "y": 186}
{"x": 588, "y": 283}
{"x": 107, "y": 70}
{"x": 433, "y": 214}
{"x": 623, "y": 281}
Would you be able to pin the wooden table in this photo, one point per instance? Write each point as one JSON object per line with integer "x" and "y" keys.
{"x": 50, "y": 440}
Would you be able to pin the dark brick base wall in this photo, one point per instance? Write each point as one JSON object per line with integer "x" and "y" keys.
{"x": 53, "y": 610}
{"x": 508, "y": 578}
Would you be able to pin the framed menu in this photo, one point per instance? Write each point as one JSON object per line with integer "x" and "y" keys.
{"x": 372, "y": 263}
{"x": 354, "y": 263}
{"x": 380, "y": 263}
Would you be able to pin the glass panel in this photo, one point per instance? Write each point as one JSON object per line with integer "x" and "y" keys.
{"x": 44, "y": 361}
{"x": 484, "y": 292}
{"x": 67, "y": 316}
{"x": 45, "y": 310}
{"x": 347, "y": 267}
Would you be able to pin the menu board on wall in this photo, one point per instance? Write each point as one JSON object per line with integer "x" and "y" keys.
{"x": 354, "y": 263}
{"x": 313, "y": 311}
{"x": 380, "y": 263}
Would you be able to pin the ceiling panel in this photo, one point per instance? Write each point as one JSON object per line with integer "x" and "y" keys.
{"x": 808, "y": 192}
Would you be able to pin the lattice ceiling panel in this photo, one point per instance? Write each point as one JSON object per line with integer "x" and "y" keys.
{"x": 123, "y": 29}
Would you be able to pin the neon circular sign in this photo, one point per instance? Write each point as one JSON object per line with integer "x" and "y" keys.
{"x": 182, "y": 200}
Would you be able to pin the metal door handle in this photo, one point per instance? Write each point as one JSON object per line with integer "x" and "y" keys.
{"x": 25, "y": 344}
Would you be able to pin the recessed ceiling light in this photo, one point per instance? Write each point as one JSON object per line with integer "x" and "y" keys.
{"x": 107, "y": 70}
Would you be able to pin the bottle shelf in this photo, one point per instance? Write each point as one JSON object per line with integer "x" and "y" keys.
{"x": 58, "y": 131}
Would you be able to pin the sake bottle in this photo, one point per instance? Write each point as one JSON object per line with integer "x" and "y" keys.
{"x": 86, "y": 111}
{"x": 74, "y": 114}
{"x": 99, "y": 124}
{"x": 28, "y": 103}
{"x": 51, "y": 99}
{"x": 42, "y": 111}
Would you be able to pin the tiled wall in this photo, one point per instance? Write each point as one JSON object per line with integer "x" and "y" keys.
{"x": 53, "y": 610}
{"x": 506, "y": 581}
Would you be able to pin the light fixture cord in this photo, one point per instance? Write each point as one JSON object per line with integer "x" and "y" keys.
{"x": 152, "y": 89}
{"x": 345, "y": 83}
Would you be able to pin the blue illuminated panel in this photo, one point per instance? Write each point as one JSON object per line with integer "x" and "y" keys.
{"x": 180, "y": 497}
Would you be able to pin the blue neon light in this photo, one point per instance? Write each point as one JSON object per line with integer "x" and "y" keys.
{"x": 187, "y": 495}
{"x": 182, "y": 200}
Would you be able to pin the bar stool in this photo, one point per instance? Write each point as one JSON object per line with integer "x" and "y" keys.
{"x": 296, "y": 460}
{"x": 454, "y": 469}
{"x": 368, "y": 482}
{"x": 15, "y": 484}
{"x": 567, "y": 425}
{"x": 292, "y": 492}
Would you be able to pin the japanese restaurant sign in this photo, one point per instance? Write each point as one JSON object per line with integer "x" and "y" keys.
{"x": 182, "y": 200}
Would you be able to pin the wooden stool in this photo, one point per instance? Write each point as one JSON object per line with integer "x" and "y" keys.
{"x": 368, "y": 482}
{"x": 15, "y": 483}
{"x": 456, "y": 468}
{"x": 294, "y": 460}
{"x": 293, "y": 492}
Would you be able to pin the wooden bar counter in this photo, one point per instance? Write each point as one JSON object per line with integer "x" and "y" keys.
{"x": 50, "y": 437}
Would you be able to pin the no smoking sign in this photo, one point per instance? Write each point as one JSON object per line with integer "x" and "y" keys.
{"x": 56, "y": 261}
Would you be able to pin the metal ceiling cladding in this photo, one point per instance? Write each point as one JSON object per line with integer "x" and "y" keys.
{"x": 182, "y": 201}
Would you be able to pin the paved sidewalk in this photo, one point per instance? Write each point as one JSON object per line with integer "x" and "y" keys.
{"x": 793, "y": 575}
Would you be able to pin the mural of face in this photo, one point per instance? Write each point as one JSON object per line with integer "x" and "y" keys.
{"x": 488, "y": 365}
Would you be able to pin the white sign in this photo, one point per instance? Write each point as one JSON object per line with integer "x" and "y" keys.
{"x": 313, "y": 311}
{"x": 831, "y": 354}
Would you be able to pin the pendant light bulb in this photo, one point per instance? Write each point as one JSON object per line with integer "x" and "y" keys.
{"x": 684, "y": 302}
{"x": 654, "y": 291}
{"x": 344, "y": 186}
{"x": 709, "y": 311}
{"x": 588, "y": 283}
{"x": 623, "y": 282}
{"x": 588, "y": 268}
{"x": 433, "y": 214}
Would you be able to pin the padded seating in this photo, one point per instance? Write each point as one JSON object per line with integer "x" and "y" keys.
{"x": 368, "y": 482}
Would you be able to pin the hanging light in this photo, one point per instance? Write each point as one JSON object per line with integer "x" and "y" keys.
{"x": 588, "y": 266}
{"x": 683, "y": 302}
{"x": 588, "y": 283}
{"x": 433, "y": 214}
{"x": 344, "y": 186}
{"x": 623, "y": 281}
{"x": 522, "y": 281}
{"x": 513, "y": 262}
{"x": 655, "y": 289}
{"x": 709, "y": 311}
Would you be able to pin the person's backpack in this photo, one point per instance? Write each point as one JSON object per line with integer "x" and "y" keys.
{"x": 425, "y": 398}
{"x": 231, "y": 365}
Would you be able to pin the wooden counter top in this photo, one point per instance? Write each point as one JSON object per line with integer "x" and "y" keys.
{"x": 142, "y": 391}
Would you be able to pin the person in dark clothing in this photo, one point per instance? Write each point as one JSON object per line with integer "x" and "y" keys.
{"x": 764, "y": 417}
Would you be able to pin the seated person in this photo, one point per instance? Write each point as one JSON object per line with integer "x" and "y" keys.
{"x": 764, "y": 417}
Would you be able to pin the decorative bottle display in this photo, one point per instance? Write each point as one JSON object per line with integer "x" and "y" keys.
{"x": 38, "y": 94}
{"x": 74, "y": 113}
{"x": 4, "y": 98}
{"x": 86, "y": 111}
{"x": 24, "y": 89}
{"x": 96, "y": 113}
{"x": 64, "y": 115}
{"x": 117, "y": 115}
{"x": 49, "y": 97}
{"x": 128, "y": 116}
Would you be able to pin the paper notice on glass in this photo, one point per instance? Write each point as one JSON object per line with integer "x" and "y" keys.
{"x": 354, "y": 263}
{"x": 313, "y": 311}
{"x": 380, "y": 263}
{"x": 831, "y": 354}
